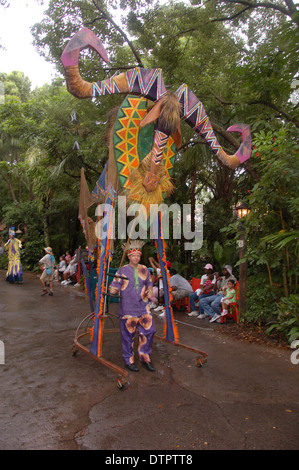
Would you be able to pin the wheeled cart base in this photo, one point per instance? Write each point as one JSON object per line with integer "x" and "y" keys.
{"x": 83, "y": 331}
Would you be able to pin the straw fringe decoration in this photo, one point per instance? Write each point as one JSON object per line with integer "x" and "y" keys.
{"x": 136, "y": 192}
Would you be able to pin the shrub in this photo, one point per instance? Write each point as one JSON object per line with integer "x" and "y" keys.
{"x": 261, "y": 300}
{"x": 287, "y": 321}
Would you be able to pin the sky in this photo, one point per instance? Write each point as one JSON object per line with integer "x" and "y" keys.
{"x": 15, "y": 36}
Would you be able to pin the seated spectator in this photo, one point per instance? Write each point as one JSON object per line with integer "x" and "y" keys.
{"x": 61, "y": 267}
{"x": 212, "y": 305}
{"x": 230, "y": 297}
{"x": 158, "y": 286}
{"x": 180, "y": 288}
{"x": 154, "y": 297}
{"x": 67, "y": 257}
{"x": 205, "y": 290}
{"x": 69, "y": 274}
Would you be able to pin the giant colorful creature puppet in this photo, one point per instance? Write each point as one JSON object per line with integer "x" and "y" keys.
{"x": 142, "y": 147}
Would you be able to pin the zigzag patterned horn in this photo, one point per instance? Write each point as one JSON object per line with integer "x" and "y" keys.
{"x": 70, "y": 58}
{"x": 193, "y": 112}
{"x": 149, "y": 83}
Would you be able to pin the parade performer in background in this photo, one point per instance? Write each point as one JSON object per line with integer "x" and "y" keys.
{"x": 48, "y": 273}
{"x": 133, "y": 283}
{"x": 13, "y": 246}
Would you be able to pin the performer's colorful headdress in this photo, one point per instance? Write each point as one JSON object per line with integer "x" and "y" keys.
{"x": 11, "y": 231}
{"x": 134, "y": 246}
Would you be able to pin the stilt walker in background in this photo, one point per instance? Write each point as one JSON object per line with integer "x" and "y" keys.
{"x": 13, "y": 246}
{"x": 133, "y": 283}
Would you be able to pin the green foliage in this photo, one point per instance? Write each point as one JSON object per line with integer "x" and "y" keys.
{"x": 274, "y": 212}
{"x": 261, "y": 299}
{"x": 3, "y": 261}
{"x": 287, "y": 318}
{"x": 32, "y": 253}
{"x": 16, "y": 84}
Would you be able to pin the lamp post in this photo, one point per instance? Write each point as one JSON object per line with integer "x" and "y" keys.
{"x": 18, "y": 231}
{"x": 242, "y": 211}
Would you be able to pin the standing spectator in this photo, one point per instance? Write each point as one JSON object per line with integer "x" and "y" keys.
{"x": 48, "y": 273}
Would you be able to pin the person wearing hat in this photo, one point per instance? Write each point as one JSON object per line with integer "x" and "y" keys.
{"x": 48, "y": 262}
{"x": 13, "y": 246}
{"x": 205, "y": 290}
{"x": 133, "y": 283}
{"x": 212, "y": 305}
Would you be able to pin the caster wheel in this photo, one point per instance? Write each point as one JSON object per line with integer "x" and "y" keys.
{"x": 199, "y": 361}
{"x": 122, "y": 384}
{"x": 74, "y": 350}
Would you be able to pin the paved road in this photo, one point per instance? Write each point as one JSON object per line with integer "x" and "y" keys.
{"x": 245, "y": 397}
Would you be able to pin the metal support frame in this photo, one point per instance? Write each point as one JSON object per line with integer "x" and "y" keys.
{"x": 79, "y": 346}
{"x": 122, "y": 380}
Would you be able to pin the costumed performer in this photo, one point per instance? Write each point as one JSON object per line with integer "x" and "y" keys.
{"x": 13, "y": 246}
{"x": 133, "y": 283}
{"x": 48, "y": 273}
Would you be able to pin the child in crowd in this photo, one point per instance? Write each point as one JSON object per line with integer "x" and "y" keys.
{"x": 208, "y": 287}
{"x": 61, "y": 267}
{"x": 230, "y": 297}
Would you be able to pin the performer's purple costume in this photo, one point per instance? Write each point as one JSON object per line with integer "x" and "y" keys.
{"x": 134, "y": 311}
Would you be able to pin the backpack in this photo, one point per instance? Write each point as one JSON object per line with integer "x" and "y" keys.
{"x": 49, "y": 270}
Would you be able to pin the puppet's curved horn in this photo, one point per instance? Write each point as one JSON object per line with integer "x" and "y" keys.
{"x": 192, "y": 111}
{"x": 70, "y": 58}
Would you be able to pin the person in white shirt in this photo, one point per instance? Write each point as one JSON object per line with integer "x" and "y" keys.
{"x": 180, "y": 286}
{"x": 48, "y": 272}
{"x": 69, "y": 274}
{"x": 61, "y": 267}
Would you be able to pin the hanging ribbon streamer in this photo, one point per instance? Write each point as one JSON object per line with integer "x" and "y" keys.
{"x": 88, "y": 282}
